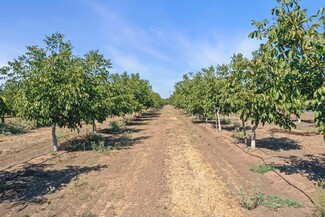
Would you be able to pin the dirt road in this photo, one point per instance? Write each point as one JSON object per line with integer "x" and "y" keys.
{"x": 171, "y": 168}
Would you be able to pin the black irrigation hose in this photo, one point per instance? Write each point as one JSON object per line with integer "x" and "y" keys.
{"x": 287, "y": 181}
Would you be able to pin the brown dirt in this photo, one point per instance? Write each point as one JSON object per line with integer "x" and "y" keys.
{"x": 171, "y": 168}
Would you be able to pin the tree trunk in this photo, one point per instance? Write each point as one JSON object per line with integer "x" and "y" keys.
{"x": 244, "y": 129}
{"x": 218, "y": 118}
{"x": 3, "y": 119}
{"x": 55, "y": 140}
{"x": 94, "y": 127}
{"x": 253, "y": 141}
{"x": 298, "y": 118}
{"x": 206, "y": 120}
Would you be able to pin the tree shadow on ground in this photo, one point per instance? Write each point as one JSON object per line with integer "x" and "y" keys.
{"x": 274, "y": 130}
{"x": 149, "y": 115}
{"x": 311, "y": 166}
{"x": 224, "y": 126}
{"x": 229, "y": 128}
{"x": 109, "y": 138}
{"x": 278, "y": 144}
{"x": 202, "y": 121}
{"x": 95, "y": 142}
{"x": 210, "y": 122}
{"x": 136, "y": 123}
{"x": 111, "y": 131}
{"x": 31, "y": 184}
{"x": 143, "y": 118}
{"x": 9, "y": 129}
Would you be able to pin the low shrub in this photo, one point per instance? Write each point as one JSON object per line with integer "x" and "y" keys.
{"x": 117, "y": 126}
{"x": 124, "y": 140}
{"x": 225, "y": 121}
{"x": 238, "y": 134}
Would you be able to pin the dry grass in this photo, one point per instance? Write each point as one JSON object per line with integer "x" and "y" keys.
{"x": 196, "y": 191}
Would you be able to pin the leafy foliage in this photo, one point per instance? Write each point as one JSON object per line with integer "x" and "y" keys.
{"x": 294, "y": 56}
{"x": 53, "y": 86}
{"x": 3, "y": 108}
{"x": 284, "y": 76}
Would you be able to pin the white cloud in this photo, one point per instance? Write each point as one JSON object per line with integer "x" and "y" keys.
{"x": 247, "y": 46}
{"x": 9, "y": 51}
{"x": 120, "y": 33}
{"x": 128, "y": 63}
{"x": 158, "y": 32}
{"x": 200, "y": 54}
{"x": 162, "y": 55}
{"x": 3, "y": 61}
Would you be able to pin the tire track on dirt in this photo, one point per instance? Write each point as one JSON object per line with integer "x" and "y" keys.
{"x": 196, "y": 190}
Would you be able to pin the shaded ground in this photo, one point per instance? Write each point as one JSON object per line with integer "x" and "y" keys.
{"x": 169, "y": 167}
{"x": 83, "y": 182}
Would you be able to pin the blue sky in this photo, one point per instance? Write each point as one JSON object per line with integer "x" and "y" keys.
{"x": 160, "y": 39}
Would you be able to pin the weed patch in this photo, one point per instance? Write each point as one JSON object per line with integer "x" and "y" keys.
{"x": 88, "y": 142}
{"x": 270, "y": 201}
{"x": 225, "y": 121}
{"x": 276, "y": 202}
{"x": 124, "y": 140}
{"x": 117, "y": 126}
{"x": 96, "y": 142}
{"x": 263, "y": 168}
{"x": 320, "y": 197}
{"x": 238, "y": 134}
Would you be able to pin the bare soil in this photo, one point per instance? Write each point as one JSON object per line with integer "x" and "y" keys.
{"x": 171, "y": 167}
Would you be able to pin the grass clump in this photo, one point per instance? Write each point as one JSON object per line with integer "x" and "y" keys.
{"x": 247, "y": 201}
{"x": 270, "y": 201}
{"x": 320, "y": 197}
{"x": 263, "y": 168}
{"x": 117, "y": 126}
{"x": 87, "y": 142}
{"x": 94, "y": 142}
{"x": 276, "y": 202}
{"x": 225, "y": 121}
{"x": 98, "y": 146}
{"x": 238, "y": 134}
{"x": 123, "y": 141}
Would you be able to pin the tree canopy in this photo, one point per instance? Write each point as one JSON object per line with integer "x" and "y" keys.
{"x": 52, "y": 85}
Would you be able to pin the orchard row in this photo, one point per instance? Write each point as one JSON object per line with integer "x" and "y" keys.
{"x": 284, "y": 76}
{"x": 51, "y": 85}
